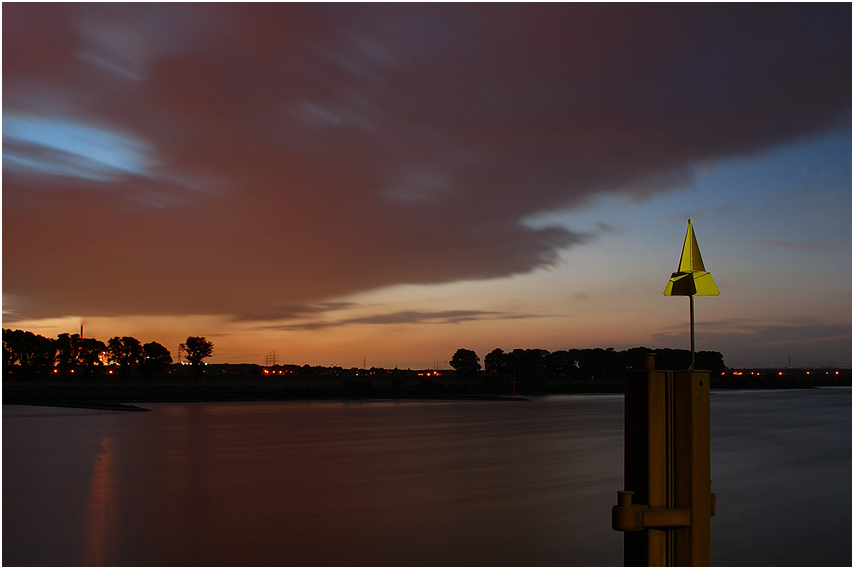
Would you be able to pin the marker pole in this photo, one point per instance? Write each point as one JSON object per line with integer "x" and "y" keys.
{"x": 692, "y": 332}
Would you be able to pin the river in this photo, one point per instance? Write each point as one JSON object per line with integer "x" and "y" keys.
{"x": 403, "y": 483}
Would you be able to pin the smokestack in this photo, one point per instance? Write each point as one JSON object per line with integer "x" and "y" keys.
{"x": 81, "y": 331}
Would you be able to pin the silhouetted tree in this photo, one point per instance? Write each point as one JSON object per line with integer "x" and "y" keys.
{"x": 562, "y": 364}
{"x": 127, "y": 353}
{"x": 600, "y": 364}
{"x": 30, "y": 353}
{"x": 530, "y": 366}
{"x": 155, "y": 359}
{"x": 674, "y": 359}
{"x": 78, "y": 355}
{"x": 466, "y": 363}
{"x": 494, "y": 363}
{"x": 198, "y": 348}
{"x": 710, "y": 361}
{"x": 67, "y": 346}
{"x": 635, "y": 358}
{"x": 574, "y": 361}
{"x": 9, "y": 356}
{"x": 89, "y": 354}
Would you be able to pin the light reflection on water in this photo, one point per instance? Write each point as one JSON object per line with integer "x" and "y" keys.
{"x": 99, "y": 518}
{"x": 404, "y": 483}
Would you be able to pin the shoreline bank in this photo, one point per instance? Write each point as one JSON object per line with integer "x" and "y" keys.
{"x": 123, "y": 396}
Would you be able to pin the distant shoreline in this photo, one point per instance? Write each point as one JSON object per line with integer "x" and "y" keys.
{"x": 124, "y": 395}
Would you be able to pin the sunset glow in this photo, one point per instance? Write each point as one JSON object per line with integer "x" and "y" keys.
{"x": 384, "y": 184}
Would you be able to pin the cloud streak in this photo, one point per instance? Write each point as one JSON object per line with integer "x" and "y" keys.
{"x": 296, "y": 153}
{"x": 403, "y": 317}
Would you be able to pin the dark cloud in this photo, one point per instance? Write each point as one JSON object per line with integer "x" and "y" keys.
{"x": 240, "y": 158}
{"x": 291, "y": 311}
{"x": 404, "y": 317}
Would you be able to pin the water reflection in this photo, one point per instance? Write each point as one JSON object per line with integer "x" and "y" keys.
{"x": 406, "y": 484}
{"x": 100, "y": 513}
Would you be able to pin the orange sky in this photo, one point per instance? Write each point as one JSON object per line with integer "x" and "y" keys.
{"x": 388, "y": 183}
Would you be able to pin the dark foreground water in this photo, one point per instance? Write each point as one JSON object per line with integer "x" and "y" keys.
{"x": 406, "y": 483}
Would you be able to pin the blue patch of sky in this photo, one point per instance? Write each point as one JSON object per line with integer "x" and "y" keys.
{"x": 777, "y": 181}
{"x": 774, "y": 227}
{"x": 53, "y": 146}
{"x": 799, "y": 192}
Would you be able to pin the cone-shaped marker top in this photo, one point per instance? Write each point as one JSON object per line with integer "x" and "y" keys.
{"x": 691, "y": 260}
{"x": 691, "y": 279}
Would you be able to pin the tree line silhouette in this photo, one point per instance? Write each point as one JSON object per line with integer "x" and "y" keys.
{"x": 536, "y": 365}
{"x": 30, "y": 355}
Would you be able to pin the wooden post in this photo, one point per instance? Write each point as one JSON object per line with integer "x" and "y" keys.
{"x": 667, "y": 504}
{"x": 692, "y": 475}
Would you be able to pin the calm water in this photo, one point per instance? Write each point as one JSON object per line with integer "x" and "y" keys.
{"x": 406, "y": 483}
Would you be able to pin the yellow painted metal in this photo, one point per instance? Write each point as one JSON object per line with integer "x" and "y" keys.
{"x": 691, "y": 278}
{"x": 666, "y": 508}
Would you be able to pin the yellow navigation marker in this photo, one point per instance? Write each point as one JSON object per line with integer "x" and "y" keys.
{"x": 691, "y": 279}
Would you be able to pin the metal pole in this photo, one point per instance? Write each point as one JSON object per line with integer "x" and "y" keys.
{"x": 692, "y": 331}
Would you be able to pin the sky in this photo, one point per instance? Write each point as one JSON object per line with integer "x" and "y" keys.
{"x": 382, "y": 184}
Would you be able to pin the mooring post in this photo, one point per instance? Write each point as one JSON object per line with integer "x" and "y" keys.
{"x": 667, "y": 503}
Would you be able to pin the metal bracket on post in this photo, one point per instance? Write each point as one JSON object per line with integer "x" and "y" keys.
{"x": 626, "y": 516}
